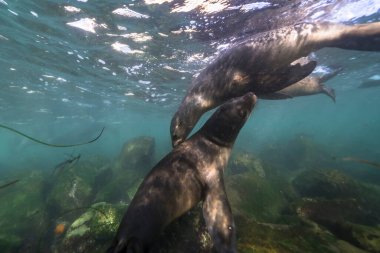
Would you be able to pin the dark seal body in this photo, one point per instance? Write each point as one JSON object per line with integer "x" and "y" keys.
{"x": 262, "y": 64}
{"x": 191, "y": 173}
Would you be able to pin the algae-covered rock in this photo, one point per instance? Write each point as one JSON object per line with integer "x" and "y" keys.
{"x": 258, "y": 197}
{"x": 364, "y": 237}
{"x": 75, "y": 185}
{"x": 326, "y": 183}
{"x": 325, "y": 211}
{"x": 125, "y": 175}
{"x": 367, "y": 238}
{"x": 9, "y": 242}
{"x": 241, "y": 162}
{"x": 22, "y": 215}
{"x": 322, "y": 185}
{"x": 121, "y": 187}
{"x": 92, "y": 231}
{"x": 347, "y": 208}
{"x": 68, "y": 191}
{"x": 256, "y": 237}
{"x": 137, "y": 154}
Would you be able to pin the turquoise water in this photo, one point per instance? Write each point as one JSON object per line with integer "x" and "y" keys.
{"x": 62, "y": 81}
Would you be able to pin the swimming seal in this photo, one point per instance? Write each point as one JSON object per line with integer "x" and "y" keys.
{"x": 190, "y": 173}
{"x": 310, "y": 85}
{"x": 262, "y": 64}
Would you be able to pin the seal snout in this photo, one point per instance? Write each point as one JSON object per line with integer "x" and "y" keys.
{"x": 251, "y": 98}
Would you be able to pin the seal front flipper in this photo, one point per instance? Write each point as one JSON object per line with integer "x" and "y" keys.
{"x": 286, "y": 76}
{"x": 218, "y": 217}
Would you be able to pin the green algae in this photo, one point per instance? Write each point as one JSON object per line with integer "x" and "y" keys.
{"x": 93, "y": 230}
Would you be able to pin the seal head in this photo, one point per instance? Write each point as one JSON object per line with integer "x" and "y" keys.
{"x": 224, "y": 125}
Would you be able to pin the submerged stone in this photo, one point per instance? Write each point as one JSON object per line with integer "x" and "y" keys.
{"x": 260, "y": 198}
{"x": 347, "y": 208}
{"x": 92, "y": 231}
{"x": 326, "y": 183}
{"x": 242, "y": 162}
{"x": 68, "y": 191}
{"x": 120, "y": 188}
{"x": 256, "y": 237}
{"x": 22, "y": 215}
{"x": 137, "y": 154}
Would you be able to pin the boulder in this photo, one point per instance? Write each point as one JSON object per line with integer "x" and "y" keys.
{"x": 137, "y": 154}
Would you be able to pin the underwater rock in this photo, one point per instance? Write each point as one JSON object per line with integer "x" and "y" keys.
{"x": 298, "y": 237}
{"x": 326, "y": 183}
{"x": 68, "y": 191}
{"x": 243, "y": 162}
{"x": 9, "y": 242}
{"x": 260, "y": 198}
{"x": 324, "y": 211}
{"x": 116, "y": 183}
{"x": 93, "y": 230}
{"x": 340, "y": 217}
{"x": 137, "y": 154}
{"x": 22, "y": 215}
{"x": 120, "y": 188}
{"x": 332, "y": 190}
{"x": 365, "y": 237}
{"x": 347, "y": 208}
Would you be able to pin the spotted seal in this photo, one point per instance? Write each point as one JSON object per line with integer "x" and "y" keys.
{"x": 190, "y": 173}
{"x": 262, "y": 64}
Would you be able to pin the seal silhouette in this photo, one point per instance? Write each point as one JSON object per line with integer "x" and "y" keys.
{"x": 310, "y": 85}
{"x": 262, "y": 64}
{"x": 190, "y": 173}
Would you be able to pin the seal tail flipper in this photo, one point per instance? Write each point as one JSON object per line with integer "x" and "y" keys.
{"x": 329, "y": 92}
{"x": 219, "y": 220}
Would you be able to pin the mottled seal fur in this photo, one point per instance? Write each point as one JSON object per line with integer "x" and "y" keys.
{"x": 262, "y": 64}
{"x": 191, "y": 173}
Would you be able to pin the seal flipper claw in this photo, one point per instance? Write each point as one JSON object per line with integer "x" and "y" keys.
{"x": 218, "y": 217}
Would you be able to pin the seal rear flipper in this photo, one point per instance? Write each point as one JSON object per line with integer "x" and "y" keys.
{"x": 329, "y": 92}
{"x": 219, "y": 220}
{"x": 286, "y": 76}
